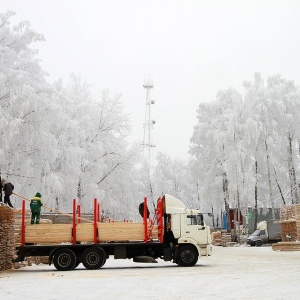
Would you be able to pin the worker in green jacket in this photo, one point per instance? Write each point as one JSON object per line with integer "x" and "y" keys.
{"x": 35, "y": 206}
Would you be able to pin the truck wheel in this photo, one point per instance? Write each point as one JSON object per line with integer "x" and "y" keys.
{"x": 258, "y": 243}
{"x": 64, "y": 260}
{"x": 187, "y": 256}
{"x": 93, "y": 258}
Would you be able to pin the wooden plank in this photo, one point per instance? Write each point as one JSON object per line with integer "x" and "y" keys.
{"x": 107, "y": 232}
{"x": 48, "y": 233}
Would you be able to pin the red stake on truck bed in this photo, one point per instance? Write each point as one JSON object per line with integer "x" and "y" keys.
{"x": 145, "y": 220}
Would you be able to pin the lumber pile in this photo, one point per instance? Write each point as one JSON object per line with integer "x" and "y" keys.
{"x": 288, "y": 221}
{"x": 18, "y": 222}
{"x": 107, "y": 232}
{"x": 216, "y": 238}
{"x": 290, "y": 229}
{"x": 221, "y": 238}
{"x": 286, "y": 246}
{"x": 7, "y": 242}
{"x": 226, "y": 238}
{"x": 287, "y": 212}
{"x": 297, "y": 215}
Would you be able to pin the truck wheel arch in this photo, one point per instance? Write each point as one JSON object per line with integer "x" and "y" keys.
{"x": 93, "y": 258}
{"x": 186, "y": 255}
{"x": 64, "y": 259}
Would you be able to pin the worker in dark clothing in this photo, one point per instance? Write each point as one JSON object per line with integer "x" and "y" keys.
{"x": 35, "y": 206}
{"x": 8, "y": 189}
{"x": 141, "y": 210}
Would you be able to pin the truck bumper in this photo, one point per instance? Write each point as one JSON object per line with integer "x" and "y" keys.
{"x": 251, "y": 243}
{"x": 206, "y": 251}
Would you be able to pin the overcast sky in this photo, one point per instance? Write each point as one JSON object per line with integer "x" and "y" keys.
{"x": 190, "y": 50}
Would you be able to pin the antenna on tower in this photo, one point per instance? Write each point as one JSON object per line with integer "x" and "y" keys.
{"x": 148, "y": 123}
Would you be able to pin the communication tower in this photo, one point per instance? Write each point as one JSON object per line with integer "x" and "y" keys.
{"x": 148, "y": 124}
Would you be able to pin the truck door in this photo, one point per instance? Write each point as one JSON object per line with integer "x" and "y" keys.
{"x": 195, "y": 228}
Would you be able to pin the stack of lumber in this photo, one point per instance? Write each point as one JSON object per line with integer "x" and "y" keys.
{"x": 18, "y": 222}
{"x": 287, "y": 212}
{"x": 297, "y": 214}
{"x": 107, "y": 232}
{"x": 226, "y": 238}
{"x": 290, "y": 229}
{"x": 286, "y": 246}
{"x": 216, "y": 238}
{"x": 221, "y": 238}
{"x": 288, "y": 223}
{"x": 7, "y": 242}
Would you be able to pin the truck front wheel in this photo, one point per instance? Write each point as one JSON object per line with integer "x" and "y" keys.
{"x": 187, "y": 256}
{"x": 93, "y": 258}
{"x": 259, "y": 243}
{"x": 64, "y": 260}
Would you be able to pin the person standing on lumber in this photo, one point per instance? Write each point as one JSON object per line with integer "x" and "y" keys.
{"x": 8, "y": 189}
{"x": 35, "y": 206}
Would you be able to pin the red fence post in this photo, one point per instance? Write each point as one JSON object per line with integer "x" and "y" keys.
{"x": 95, "y": 221}
{"x": 74, "y": 223}
{"x": 23, "y": 224}
{"x": 98, "y": 212}
{"x": 145, "y": 220}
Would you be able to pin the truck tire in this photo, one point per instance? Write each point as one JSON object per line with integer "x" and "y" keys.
{"x": 64, "y": 260}
{"x": 259, "y": 243}
{"x": 187, "y": 256}
{"x": 93, "y": 258}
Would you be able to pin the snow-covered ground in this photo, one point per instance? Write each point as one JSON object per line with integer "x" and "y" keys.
{"x": 231, "y": 273}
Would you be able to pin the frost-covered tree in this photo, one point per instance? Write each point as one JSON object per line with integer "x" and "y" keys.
{"x": 57, "y": 139}
{"x": 248, "y": 147}
{"x": 25, "y": 135}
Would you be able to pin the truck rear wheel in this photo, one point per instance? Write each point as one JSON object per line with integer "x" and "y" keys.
{"x": 187, "y": 256}
{"x": 64, "y": 260}
{"x": 93, "y": 258}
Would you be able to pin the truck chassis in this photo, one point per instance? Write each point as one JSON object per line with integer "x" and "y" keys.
{"x": 68, "y": 257}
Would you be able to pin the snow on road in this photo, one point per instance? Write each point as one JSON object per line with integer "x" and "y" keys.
{"x": 231, "y": 273}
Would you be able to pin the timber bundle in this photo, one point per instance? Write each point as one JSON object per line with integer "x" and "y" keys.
{"x": 62, "y": 233}
{"x": 290, "y": 228}
{"x": 7, "y": 242}
{"x": 221, "y": 238}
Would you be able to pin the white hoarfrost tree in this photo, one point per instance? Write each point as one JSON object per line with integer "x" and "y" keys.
{"x": 249, "y": 149}
{"x": 25, "y": 135}
{"x": 58, "y": 140}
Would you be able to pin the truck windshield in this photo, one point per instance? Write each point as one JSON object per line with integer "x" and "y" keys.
{"x": 256, "y": 232}
{"x": 259, "y": 232}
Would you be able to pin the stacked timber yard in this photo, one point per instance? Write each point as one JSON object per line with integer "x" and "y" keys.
{"x": 290, "y": 231}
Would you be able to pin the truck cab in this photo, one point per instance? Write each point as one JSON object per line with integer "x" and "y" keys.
{"x": 258, "y": 237}
{"x": 187, "y": 226}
